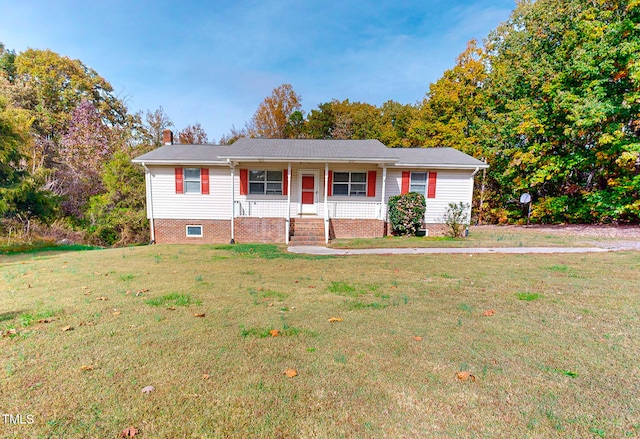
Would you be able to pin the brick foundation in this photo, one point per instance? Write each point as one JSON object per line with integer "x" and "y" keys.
{"x": 356, "y": 228}
{"x": 433, "y": 229}
{"x": 271, "y": 230}
{"x": 173, "y": 231}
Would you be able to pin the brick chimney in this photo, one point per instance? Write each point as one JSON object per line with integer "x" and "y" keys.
{"x": 167, "y": 137}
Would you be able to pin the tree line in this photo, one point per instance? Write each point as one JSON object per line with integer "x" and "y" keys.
{"x": 550, "y": 100}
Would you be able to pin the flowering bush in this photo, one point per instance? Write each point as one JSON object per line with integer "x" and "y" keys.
{"x": 406, "y": 213}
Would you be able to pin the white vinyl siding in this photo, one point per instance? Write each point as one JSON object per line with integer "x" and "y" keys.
{"x": 169, "y": 205}
{"x": 452, "y": 186}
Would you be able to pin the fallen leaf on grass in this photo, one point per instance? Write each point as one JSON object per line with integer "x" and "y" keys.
{"x": 205, "y": 376}
{"x": 394, "y": 286}
{"x": 148, "y": 389}
{"x": 9, "y": 332}
{"x": 84, "y": 287}
{"x": 274, "y": 332}
{"x": 87, "y": 293}
{"x": 334, "y": 319}
{"x": 417, "y": 338}
{"x": 270, "y": 305}
{"x": 290, "y": 373}
{"x": 171, "y": 308}
{"x": 102, "y": 298}
{"x": 48, "y": 320}
{"x": 489, "y": 312}
{"x": 129, "y": 432}
{"x": 311, "y": 286}
{"x": 67, "y": 328}
{"x": 87, "y": 367}
{"x": 464, "y": 376}
{"x": 199, "y": 314}
{"x": 87, "y": 324}
{"x": 296, "y": 281}
{"x": 396, "y": 270}
{"x": 116, "y": 313}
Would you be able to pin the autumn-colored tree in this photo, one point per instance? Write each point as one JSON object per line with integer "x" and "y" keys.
{"x": 193, "y": 135}
{"x": 155, "y": 123}
{"x": 564, "y": 88}
{"x": 452, "y": 112}
{"x": 85, "y": 147}
{"x": 272, "y": 116}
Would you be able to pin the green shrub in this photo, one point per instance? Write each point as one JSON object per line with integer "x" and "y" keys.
{"x": 456, "y": 218}
{"x": 406, "y": 213}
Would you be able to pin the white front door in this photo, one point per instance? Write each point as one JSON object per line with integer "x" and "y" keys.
{"x": 308, "y": 192}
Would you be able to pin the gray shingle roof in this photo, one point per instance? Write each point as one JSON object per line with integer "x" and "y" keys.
{"x": 171, "y": 154}
{"x": 436, "y": 158}
{"x": 303, "y": 150}
{"x": 310, "y": 150}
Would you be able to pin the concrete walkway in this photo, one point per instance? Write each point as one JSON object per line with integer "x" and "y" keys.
{"x": 317, "y": 250}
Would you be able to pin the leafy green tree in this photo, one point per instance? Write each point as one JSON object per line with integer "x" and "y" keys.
{"x": 118, "y": 215}
{"x": 564, "y": 94}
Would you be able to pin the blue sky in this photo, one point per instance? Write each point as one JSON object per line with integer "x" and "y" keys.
{"x": 214, "y": 62}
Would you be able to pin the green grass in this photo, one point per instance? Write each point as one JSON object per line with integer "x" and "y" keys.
{"x": 529, "y": 297}
{"x": 172, "y": 299}
{"x": 562, "y": 365}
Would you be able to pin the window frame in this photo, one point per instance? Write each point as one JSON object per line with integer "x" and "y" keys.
{"x": 186, "y": 231}
{"x": 426, "y": 182}
{"x": 186, "y": 180}
{"x": 265, "y": 182}
{"x": 350, "y": 184}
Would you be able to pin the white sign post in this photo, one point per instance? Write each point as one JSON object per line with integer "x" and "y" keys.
{"x": 526, "y": 199}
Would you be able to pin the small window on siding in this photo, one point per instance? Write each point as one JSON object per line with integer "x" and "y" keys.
{"x": 192, "y": 180}
{"x": 263, "y": 182}
{"x": 418, "y": 183}
{"x": 352, "y": 184}
{"x": 194, "y": 231}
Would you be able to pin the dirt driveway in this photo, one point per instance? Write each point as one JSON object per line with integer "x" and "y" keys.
{"x": 607, "y": 236}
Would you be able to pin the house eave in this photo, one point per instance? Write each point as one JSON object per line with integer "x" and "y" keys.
{"x": 180, "y": 162}
{"x": 365, "y": 160}
{"x": 440, "y": 166}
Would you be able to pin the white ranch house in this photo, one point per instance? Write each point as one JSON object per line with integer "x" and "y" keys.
{"x": 295, "y": 191}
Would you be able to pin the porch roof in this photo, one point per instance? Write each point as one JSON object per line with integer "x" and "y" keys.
{"x": 308, "y": 150}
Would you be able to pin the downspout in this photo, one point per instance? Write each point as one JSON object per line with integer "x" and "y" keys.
{"x": 383, "y": 210}
{"x": 288, "y": 225}
{"x": 471, "y": 193}
{"x": 233, "y": 202}
{"x": 149, "y": 186}
{"x": 326, "y": 205}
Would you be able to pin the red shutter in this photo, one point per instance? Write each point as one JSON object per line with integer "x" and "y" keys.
{"x": 406, "y": 176}
{"x": 371, "y": 184}
{"x": 204, "y": 179}
{"x": 179, "y": 181}
{"x": 244, "y": 181}
{"x": 285, "y": 182}
{"x": 330, "y": 184}
{"x": 431, "y": 192}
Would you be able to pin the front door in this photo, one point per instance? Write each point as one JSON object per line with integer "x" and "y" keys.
{"x": 308, "y": 193}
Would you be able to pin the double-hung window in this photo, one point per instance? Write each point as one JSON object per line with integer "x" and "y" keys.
{"x": 418, "y": 183}
{"x": 192, "y": 181}
{"x": 351, "y": 184}
{"x": 265, "y": 182}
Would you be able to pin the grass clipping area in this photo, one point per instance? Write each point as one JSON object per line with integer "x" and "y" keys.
{"x": 249, "y": 341}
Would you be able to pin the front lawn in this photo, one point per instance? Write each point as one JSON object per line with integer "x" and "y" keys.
{"x": 548, "y": 344}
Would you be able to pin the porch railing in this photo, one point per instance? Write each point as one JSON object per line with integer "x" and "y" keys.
{"x": 261, "y": 208}
{"x": 355, "y": 209}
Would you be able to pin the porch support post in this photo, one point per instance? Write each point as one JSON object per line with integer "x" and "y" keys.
{"x": 288, "y": 222}
{"x": 383, "y": 210}
{"x": 233, "y": 203}
{"x": 326, "y": 205}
